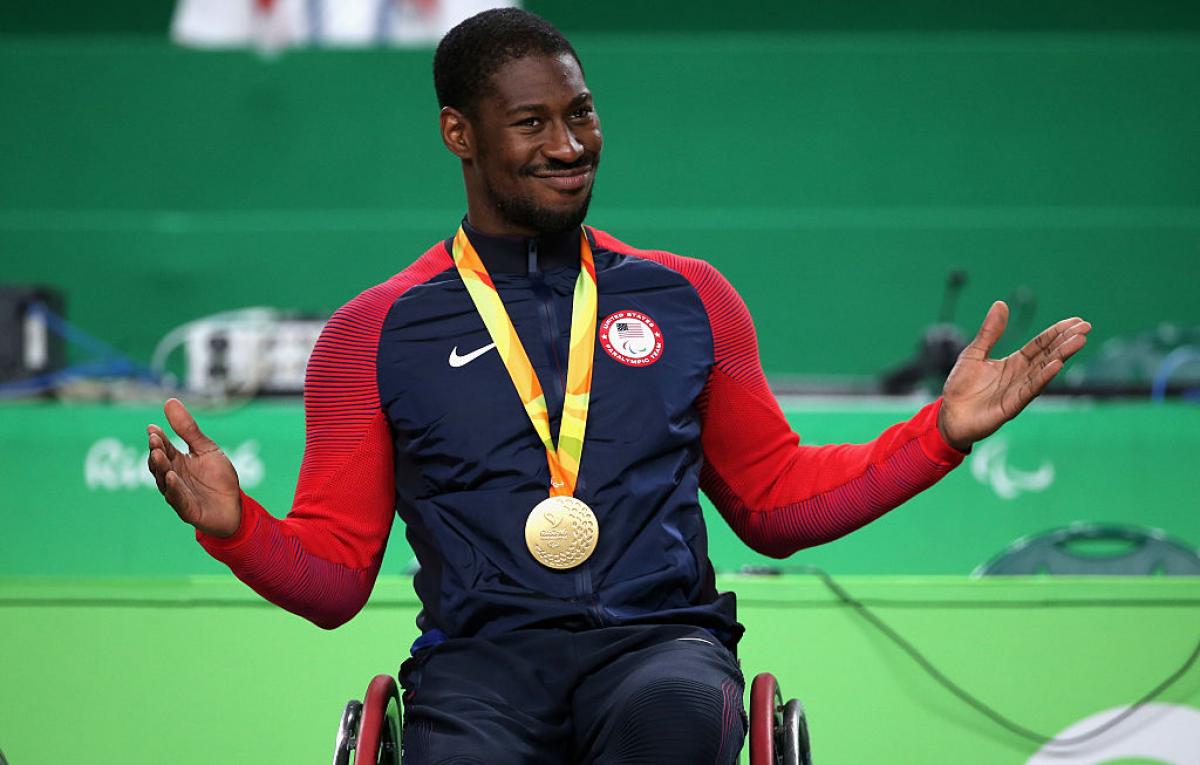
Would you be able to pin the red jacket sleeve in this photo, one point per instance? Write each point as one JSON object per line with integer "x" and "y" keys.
{"x": 322, "y": 559}
{"x": 777, "y": 495}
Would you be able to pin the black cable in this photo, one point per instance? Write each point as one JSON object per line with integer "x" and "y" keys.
{"x": 101, "y": 601}
{"x": 942, "y": 604}
{"x": 972, "y": 701}
{"x": 840, "y": 593}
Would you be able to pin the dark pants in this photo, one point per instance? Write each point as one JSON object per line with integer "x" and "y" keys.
{"x": 652, "y": 695}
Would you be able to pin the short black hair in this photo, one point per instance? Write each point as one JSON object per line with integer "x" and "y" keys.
{"x": 473, "y": 51}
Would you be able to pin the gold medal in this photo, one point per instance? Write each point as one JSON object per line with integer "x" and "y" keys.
{"x": 561, "y": 532}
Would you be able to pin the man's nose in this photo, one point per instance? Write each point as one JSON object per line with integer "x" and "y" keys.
{"x": 562, "y": 144}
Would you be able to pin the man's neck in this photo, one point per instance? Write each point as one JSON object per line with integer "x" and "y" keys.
{"x": 510, "y": 253}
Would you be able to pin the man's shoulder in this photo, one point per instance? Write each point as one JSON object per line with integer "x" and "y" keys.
{"x": 703, "y": 275}
{"x": 376, "y": 300}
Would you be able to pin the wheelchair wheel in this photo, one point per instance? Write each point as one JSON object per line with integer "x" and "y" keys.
{"x": 766, "y": 717}
{"x": 778, "y": 731}
{"x": 369, "y": 733}
{"x": 792, "y": 737}
{"x": 347, "y": 733}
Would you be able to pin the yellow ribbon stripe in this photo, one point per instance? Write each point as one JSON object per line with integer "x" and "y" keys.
{"x": 563, "y": 459}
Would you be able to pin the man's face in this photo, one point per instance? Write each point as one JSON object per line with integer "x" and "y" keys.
{"x": 538, "y": 145}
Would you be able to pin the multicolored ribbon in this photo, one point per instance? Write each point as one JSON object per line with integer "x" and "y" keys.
{"x": 563, "y": 459}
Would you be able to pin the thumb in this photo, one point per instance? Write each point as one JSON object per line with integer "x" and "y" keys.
{"x": 185, "y": 426}
{"x": 989, "y": 332}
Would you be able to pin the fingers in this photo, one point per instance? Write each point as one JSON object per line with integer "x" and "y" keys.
{"x": 1070, "y": 343}
{"x": 1045, "y": 340}
{"x": 180, "y": 497}
{"x": 159, "y": 440}
{"x": 162, "y": 455}
{"x": 184, "y": 424}
{"x": 1060, "y": 341}
{"x": 164, "y": 458}
{"x": 989, "y": 332}
{"x": 1038, "y": 381}
{"x": 159, "y": 466}
{"x": 173, "y": 488}
{"x": 1046, "y": 355}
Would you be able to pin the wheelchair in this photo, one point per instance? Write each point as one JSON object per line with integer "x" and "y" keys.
{"x": 369, "y": 732}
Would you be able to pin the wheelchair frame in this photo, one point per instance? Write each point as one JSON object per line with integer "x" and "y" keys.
{"x": 778, "y": 730}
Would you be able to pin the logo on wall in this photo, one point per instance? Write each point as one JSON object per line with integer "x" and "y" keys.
{"x": 111, "y": 465}
{"x": 632, "y": 338}
{"x": 1165, "y": 734}
{"x": 989, "y": 466}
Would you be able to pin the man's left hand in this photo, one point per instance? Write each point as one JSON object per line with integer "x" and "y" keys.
{"x": 981, "y": 394}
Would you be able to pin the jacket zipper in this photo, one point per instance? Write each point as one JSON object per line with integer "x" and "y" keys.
{"x": 550, "y": 332}
{"x": 549, "y": 327}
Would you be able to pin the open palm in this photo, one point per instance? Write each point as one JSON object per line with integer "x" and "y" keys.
{"x": 200, "y": 485}
{"x": 981, "y": 394}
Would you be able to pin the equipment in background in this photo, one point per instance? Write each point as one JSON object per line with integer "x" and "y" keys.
{"x": 34, "y": 338}
{"x": 941, "y": 343}
{"x": 1163, "y": 362}
{"x": 253, "y": 352}
{"x": 28, "y": 347}
{"x": 1096, "y": 550}
{"x": 271, "y": 25}
{"x": 938, "y": 349}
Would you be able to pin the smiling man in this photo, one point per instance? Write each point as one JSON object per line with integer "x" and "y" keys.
{"x": 529, "y": 160}
{"x": 541, "y": 404}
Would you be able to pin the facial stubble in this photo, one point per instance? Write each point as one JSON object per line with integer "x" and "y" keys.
{"x": 523, "y": 211}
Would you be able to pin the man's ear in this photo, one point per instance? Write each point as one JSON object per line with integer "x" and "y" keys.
{"x": 456, "y": 133}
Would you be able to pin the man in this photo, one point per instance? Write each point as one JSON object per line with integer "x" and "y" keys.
{"x": 541, "y": 403}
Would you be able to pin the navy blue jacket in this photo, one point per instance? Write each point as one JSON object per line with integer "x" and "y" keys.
{"x": 406, "y": 414}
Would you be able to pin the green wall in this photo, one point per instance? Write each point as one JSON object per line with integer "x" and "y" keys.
{"x": 151, "y": 17}
{"x": 834, "y": 160}
{"x": 834, "y": 176}
{"x": 82, "y": 468}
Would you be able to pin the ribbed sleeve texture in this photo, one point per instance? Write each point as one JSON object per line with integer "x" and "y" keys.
{"x": 322, "y": 559}
{"x": 777, "y": 495}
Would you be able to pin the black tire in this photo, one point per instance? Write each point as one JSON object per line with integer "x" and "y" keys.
{"x": 347, "y": 735}
{"x": 794, "y": 745}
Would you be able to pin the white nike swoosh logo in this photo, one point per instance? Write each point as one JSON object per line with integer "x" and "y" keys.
{"x": 459, "y": 361}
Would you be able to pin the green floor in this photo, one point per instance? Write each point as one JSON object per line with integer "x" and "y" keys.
{"x": 201, "y": 671}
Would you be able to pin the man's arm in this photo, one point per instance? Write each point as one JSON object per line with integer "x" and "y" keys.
{"x": 780, "y": 496}
{"x": 320, "y": 561}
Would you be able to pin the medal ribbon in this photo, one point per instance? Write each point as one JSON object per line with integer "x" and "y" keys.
{"x": 563, "y": 459}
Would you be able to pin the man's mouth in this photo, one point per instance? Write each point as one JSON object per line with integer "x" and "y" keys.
{"x": 564, "y": 177}
{"x": 567, "y": 179}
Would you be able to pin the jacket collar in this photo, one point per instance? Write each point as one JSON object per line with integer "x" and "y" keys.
{"x": 515, "y": 254}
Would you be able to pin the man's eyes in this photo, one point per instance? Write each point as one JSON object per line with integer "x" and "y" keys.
{"x": 581, "y": 114}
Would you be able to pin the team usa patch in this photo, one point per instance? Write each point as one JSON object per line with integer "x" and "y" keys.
{"x": 632, "y": 338}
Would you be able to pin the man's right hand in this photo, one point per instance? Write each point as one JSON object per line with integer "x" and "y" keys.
{"x": 202, "y": 485}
